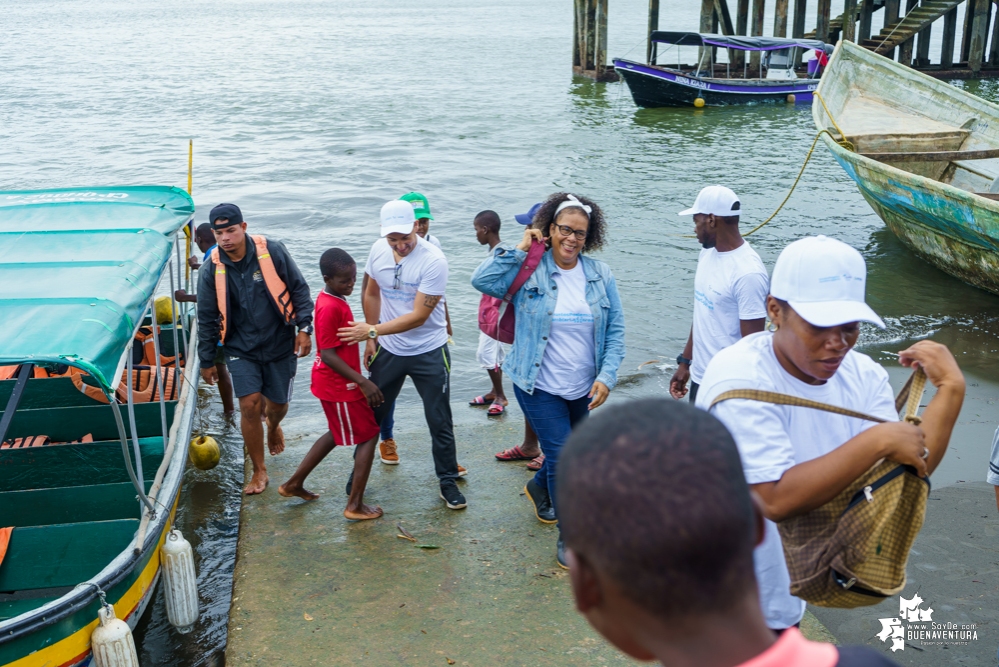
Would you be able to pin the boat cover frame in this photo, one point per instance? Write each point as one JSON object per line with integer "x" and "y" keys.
{"x": 78, "y": 267}
{"x": 737, "y": 42}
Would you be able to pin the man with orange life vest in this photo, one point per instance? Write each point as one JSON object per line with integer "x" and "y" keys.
{"x": 251, "y": 297}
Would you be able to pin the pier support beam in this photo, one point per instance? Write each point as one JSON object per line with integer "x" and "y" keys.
{"x": 741, "y": 25}
{"x": 780, "y": 18}
{"x": 866, "y": 12}
{"x": 849, "y": 21}
{"x": 905, "y": 50}
{"x": 589, "y": 48}
{"x": 979, "y": 33}
{"x": 949, "y": 38}
{"x": 759, "y": 8}
{"x": 923, "y": 45}
{"x": 994, "y": 48}
{"x": 822, "y": 20}
{"x": 969, "y": 17}
{"x": 799, "y": 18}
{"x": 891, "y": 18}
{"x": 650, "y": 50}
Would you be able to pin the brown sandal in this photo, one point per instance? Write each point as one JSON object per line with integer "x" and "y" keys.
{"x": 513, "y": 454}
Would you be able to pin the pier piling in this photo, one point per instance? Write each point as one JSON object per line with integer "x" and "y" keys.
{"x": 905, "y": 36}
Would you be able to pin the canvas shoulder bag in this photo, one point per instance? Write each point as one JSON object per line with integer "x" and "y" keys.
{"x": 852, "y": 551}
{"x": 496, "y": 318}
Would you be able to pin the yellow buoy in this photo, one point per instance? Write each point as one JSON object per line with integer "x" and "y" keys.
{"x": 790, "y": 99}
{"x": 699, "y": 102}
{"x": 164, "y": 310}
{"x": 204, "y": 452}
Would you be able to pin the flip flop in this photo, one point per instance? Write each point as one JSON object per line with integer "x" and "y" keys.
{"x": 536, "y": 463}
{"x": 496, "y": 409}
{"x": 478, "y": 401}
{"x": 513, "y": 454}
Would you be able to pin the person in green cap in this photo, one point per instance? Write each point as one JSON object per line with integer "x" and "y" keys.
{"x": 421, "y": 209}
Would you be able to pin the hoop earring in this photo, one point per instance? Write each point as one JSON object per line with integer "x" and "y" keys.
{"x": 772, "y": 326}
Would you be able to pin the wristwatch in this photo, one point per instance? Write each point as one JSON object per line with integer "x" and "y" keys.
{"x": 306, "y": 329}
{"x": 372, "y": 333}
{"x": 680, "y": 359}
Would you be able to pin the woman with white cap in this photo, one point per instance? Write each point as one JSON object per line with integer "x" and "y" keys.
{"x": 796, "y": 458}
{"x": 569, "y": 333}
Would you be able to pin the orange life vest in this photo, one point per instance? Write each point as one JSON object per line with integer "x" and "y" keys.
{"x": 144, "y": 338}
{"x": 10, "y": 372}
{"x": 145, "y": 387}
{"x": 278, "y": 290}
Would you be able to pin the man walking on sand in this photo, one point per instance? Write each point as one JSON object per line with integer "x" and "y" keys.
{"x": 251, "y": 298}
{"x": 730, "y": 287}
{"x": 406, "y": 333}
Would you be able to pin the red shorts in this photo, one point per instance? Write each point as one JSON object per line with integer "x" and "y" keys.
{"x": 351, "y": 423}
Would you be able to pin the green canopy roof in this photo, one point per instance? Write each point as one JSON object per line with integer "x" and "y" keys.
{"x": 77, "y": 269}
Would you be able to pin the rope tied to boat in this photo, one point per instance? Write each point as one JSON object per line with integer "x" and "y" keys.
{"x": 842, "y": 141}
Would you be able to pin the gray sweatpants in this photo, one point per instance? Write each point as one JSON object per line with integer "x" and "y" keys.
{"x": 430, "y": 373}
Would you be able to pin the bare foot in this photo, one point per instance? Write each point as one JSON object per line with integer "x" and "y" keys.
{"x": 363, "y": 513}
{"x": 505, "y": 403}
{"x": 275, "y": 440}
{"x": 289, "y": 490}
{"x": 257, "y": 484}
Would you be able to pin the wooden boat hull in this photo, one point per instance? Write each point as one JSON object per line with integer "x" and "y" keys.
{"x": 932, "y": 205}
{"x": 657, "y": 87}
{"x": 939, "y": 223}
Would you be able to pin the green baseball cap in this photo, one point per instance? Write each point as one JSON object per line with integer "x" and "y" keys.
{"x": 421, "y": 207}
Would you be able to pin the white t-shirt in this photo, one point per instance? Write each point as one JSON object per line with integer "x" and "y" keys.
{"x": 773, "y": 438}
{"x": 423, "y": 270}
{"x": 729, "y": 287}
{"x": 569, "y": 365}
{"x": 433, "y": 239}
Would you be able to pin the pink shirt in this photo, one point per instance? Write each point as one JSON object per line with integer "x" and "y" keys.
{"x": 792, "y": 650}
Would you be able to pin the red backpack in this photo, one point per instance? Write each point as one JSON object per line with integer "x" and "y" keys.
{"x": 496, "y": 320}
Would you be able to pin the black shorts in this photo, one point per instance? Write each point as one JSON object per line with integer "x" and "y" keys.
{"x": 275, "y": 379}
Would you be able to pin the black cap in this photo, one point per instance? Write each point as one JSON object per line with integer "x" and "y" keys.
{"x": 228, "y": 212}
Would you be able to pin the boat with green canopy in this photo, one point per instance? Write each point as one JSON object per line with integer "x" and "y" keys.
{"x": 924, "y": 154}
{"x": 98, "y": 405}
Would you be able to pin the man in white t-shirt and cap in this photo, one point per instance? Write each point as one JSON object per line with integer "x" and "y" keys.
{"x": 796, "y": 458}
{"x": 406, "y": 333}
{"x": 730, "y": 287}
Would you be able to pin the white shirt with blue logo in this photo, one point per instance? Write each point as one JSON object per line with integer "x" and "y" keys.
{"x": 568, "y": 368}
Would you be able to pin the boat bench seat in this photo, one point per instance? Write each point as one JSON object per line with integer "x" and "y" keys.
{"x": 70, "y": 504}
{"x": 70, "y": 423}
{"x": 63, "y": 554}
{"x": 54, "y": 466}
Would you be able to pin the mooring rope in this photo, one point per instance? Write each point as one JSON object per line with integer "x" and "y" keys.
{"x": 842, "y": 141}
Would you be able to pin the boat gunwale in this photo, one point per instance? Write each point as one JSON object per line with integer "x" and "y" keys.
{"x": 123, "y": 564}
{"x": 793, "y": 86}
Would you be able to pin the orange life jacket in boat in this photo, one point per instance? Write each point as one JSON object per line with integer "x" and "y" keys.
{"x": 10, "y": 372}
{"x": 144, "y": 338}
{"x": 145, "y": 388}
{"x": 275, "y": 286}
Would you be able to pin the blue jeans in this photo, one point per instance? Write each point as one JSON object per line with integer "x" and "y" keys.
{"x": 388, "y": 422}
{"x": 552, "y": 418}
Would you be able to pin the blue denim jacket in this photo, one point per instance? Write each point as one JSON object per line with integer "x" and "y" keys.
{"x": 534, "y": 304}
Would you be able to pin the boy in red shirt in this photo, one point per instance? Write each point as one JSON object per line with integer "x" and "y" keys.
{"x": 347, "y": 396}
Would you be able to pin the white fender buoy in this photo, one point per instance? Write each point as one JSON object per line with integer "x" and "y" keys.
{"x": 180, "y": 584}
{"x": 111, "y": 641}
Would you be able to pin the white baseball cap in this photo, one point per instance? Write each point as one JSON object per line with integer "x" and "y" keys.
{"x": 824, "y": 281}
{"x": 397, "y": 217}
{"x": 715, "y": 200}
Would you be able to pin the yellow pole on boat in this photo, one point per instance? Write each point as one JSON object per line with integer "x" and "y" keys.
{"x": 190, "y": 179}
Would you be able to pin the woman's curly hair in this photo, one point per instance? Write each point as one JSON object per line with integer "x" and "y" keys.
{"x": 545, "y": 216}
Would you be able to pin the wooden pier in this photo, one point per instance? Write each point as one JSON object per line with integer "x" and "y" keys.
{"x": 909, "y": 24}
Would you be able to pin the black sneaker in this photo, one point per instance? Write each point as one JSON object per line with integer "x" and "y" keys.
{"x": 560, "y": 554}
{"x": 350, "y": 482}
{"x": 542, "y": 502}
{"x": 452, "y": 496}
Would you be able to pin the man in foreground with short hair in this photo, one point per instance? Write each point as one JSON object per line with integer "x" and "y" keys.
{"x": 673, "y": 583}
{"x": 251, "y": 298}
{"x": 730, "y": 288}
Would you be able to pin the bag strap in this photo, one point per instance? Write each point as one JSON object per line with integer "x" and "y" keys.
{"x": 527, "y": 269}
{"x": 910, "y": 396}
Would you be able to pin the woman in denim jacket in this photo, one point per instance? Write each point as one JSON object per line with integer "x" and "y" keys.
{"x": 569, "y": 334}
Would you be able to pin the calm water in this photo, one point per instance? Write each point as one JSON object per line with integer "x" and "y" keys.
{"x": 310, "y": 115}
